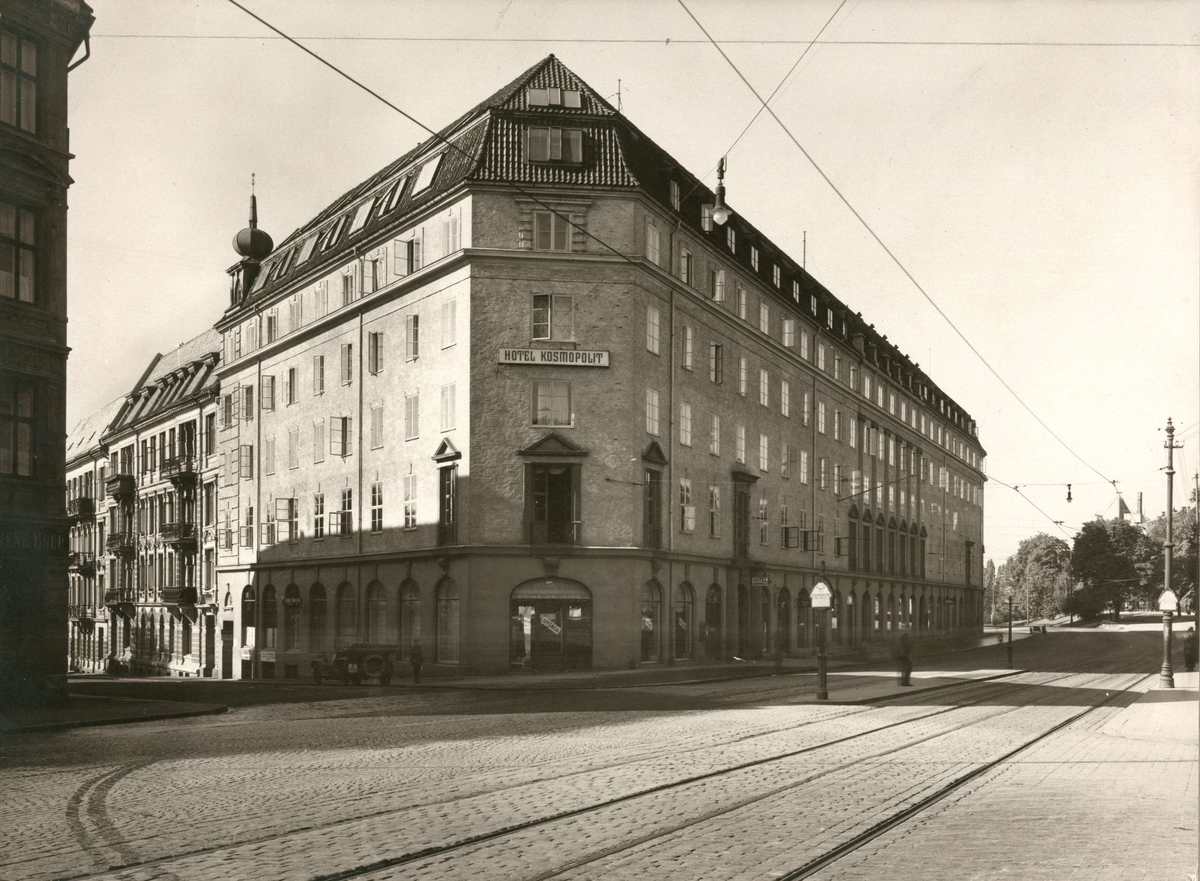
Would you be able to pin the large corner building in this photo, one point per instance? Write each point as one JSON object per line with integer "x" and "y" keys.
{"x": 519, "y": 399}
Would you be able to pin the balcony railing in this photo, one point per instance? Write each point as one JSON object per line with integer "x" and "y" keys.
{"x": 180, "y": 534}
{"x": 121, "y": 487}
{"x": 179, "y": 596}
{"x": 81, "y": 612}
{"x": 82, "y": 508}
{"x": 81, "y": 563}
{"x": 118, "y": 596}
{"x": 121, "y": 543}
{"x": 179, "y": 469}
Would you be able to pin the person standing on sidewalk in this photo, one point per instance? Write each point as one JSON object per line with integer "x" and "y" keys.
{"x": 1189, "y": 649}
{"x": 904, "y": 658}
{"x": 416, "y": 657}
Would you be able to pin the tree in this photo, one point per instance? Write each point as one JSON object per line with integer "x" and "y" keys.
{"x": 1035, "y": 576}
{"x": 1117, "y": 563}
{"x": 990, "y": 600}
{"x": 1183, "y": 561}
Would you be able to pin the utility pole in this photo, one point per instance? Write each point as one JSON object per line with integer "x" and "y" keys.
{"x": 1010, "y": 599}
{"x": 1166, "y": 677}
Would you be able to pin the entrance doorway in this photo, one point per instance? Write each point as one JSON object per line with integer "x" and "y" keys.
{"x": 550, "y": 626}
{"x": 713, "y": 630}
{"x": 210, "y": 644}
{"x": 743, "y": 642}
{"x": 226, "y": 649}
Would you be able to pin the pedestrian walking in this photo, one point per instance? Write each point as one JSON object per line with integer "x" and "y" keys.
{"x": 904, "y": 659}
{"x": 1189, "y": 649}
{"x": 417, "y": 658}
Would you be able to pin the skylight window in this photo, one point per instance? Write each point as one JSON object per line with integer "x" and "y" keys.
{"x": 361, "y": 215}
{"x": 425, "y": 175}
{"x": 393, "y": 195}
{"x": 306, "y": 249}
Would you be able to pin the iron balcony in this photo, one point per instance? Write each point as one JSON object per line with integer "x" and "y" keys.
{"x": 121, "y": 487}
{"x": 179, "y": 535}
{"x": 121, "y": 544}
{"x": 179, "y": 470}
{"x": 82, "y": 508}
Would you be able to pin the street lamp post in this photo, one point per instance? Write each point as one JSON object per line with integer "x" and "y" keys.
{"x": 1167, "y": 601}
{"x": 1010, "y": 599}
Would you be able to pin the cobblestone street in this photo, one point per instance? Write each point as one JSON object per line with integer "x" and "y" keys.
{"x": 734, "y": 779}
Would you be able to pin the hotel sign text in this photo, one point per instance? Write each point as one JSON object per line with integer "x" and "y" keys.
{"x": 555, "y": 357}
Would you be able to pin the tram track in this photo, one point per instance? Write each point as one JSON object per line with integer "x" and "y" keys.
{"x": 987, "y": 689}
{"x": 498, "y": 834}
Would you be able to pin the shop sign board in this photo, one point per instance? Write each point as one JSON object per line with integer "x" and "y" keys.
{"x": 554, "y": 357}
{"x": 268, "y": 657}
{"x": 761, "y": 581}
{"x": 821, "y": 596}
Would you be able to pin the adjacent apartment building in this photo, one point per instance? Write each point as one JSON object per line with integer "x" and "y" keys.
{"x": 38, "y": 39}
{"x": 520, "y": 399}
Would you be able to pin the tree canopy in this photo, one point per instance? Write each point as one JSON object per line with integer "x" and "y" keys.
{"x": 1117, "y": 564}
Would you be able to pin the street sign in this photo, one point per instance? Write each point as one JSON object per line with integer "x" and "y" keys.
{"x": 760, "y": 581}
{"x": 821, "y": 595}
{"x": 1167, "y": 601}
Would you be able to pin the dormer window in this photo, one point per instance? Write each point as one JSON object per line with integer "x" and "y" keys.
{"x": 706, "y": 218}
{"x": 776, "y": 276}
{"x": 425, "y": 175}
{"x": 361, "y": 214}
{"x": 334, "y": 232}
{"x": 552, "y": 97}
{"x": 675, "y": 199}
{"x": 393, "y": 195}
{"x": 754, "y": 257}
{"x": 731, "y": 238}
{"x": 552, "y": 144}
{"x": 796, "y": 291}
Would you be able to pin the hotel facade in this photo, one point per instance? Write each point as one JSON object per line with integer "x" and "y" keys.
{"x": 519, "y": 399}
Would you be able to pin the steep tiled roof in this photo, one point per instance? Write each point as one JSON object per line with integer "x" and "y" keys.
{"x": 177, "y": 376}
{"x": 488, "y": 145}
{"x": 87, "y": 431}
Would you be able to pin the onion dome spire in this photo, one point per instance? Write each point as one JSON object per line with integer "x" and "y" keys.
{"x": 252, "y": 242}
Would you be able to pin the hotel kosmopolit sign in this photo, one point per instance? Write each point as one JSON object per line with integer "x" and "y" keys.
{"x": 554, "y": 357}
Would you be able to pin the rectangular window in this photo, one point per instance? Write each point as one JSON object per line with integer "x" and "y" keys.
{"x": 289, "y": 386}
{"x": 685, "y": 424}
{"x": 688, "y": 346}
{"x": 652, "y": 411}
{"x": 731, "y": 239}
{"x": 553, "y": 317}
{"x": 804, "y": 409}
{"x": 551, "y": 232}
{"x": 754, "y": 257}
{"x": 347, "y": 363}
{"x": 410, "y": 501}
{"x": 785, "y": 398}
{"x": 272, "y": 326}
{"x": 743, "y": 376}
{"x": 853, "y": 431}
{"x": 319, "y": 441}
{"x": 804, "y": 467}
{"x": 789, "y": 332}
{"x": 318, "y": 374}
{"x": 293, "y": 448}
{"x": 653, "y": 243}
{"x": 247, "y": 392}
{"x": 268, "y": 393}
{"x": 339, "y": 436}
{"x": 804, "y": 350}
{"x": 821, "y": 357}
{"x": 319, "y": 515}
{"x": 785, "y": 463}
{"x": 764, "y": 318}
{"x": 375, "y": 352}
{"x": 347, "y": 288}
{"x": 716, "y": 370}
{"x": 376, "y": 426}
{"x": 764, "y": 453}
{"x": 652, "y": 329}
{"x": 706, "y": 217}
{"x": 425, "y": 175}
{"x": 18, "y": 82}
{"x": 740, "y": 443}
{"x": 716, "y": 283}
{"x": 412, "y": 337}
{"x": 17, "y": 440}
{"x": 837, "y": 425}
{"x": 764, "y": 388}
{"x": 823, "y": 473}
{"x": 821, "y": 417}
{"x": 714, "y": 436}
{"x": 551, "y": 404}
{"x": 408, "y": 254}
{"x": 741, "y": 303}
{"x": 377, "y": 507}
{"x": 763, "y": 523}
{"x": 775, "y": 276}
{"x": 553, "y": 144}
{"x": 449, "y": 323}
{"x": 269, "y": 456}
{"x": 687, "y": 511}
{"x": 346, "y": 515}
{"x": 675, "y": 200}
{"x": 714, "y": 511}
{"x": 412, "y": 416}
{"x": 685, "y": 266}
{"x": 17, "y": 253}
{"x": 449, "y": 407}
{"x": 246, "y": 461}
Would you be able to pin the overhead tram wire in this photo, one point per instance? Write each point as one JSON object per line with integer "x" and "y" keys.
{"x": 1017, "y": 490}
{"x": 885, "y": 248}
{"x": 437, "y": 135}
{"x": 771, "y": 97}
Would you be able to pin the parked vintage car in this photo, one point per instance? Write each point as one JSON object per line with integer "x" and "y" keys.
{"x": 354, "y": 663}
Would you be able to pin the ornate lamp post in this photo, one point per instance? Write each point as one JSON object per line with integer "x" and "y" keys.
{"x": 1167, "y": 602}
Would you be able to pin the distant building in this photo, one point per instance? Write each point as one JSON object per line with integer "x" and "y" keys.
{"x": 522, "y": 400}
{"x": 38, "y": 39}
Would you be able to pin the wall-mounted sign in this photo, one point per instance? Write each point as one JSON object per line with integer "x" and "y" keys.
{"x": 266, "y": 656}
{"x": 554, "y": 357}
{"x": 761, "y": 581}
{"x": 821, "y": 595}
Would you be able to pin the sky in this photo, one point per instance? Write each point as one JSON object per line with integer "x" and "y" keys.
{"x": 1034, "y": 166}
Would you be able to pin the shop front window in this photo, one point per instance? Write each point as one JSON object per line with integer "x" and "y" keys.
{"x": 651, "y": 615}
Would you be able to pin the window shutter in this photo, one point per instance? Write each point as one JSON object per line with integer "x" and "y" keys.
{"x": 454, "y": 244}
{"x": 335, "y": 435}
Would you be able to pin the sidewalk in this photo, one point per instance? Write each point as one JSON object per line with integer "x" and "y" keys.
{"x": 88, "y": 710}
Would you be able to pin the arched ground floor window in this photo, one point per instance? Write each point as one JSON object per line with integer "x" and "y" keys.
{"x": 550, "y": 625}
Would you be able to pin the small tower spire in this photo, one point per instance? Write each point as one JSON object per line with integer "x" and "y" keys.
{"x": 253, "y": 204}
